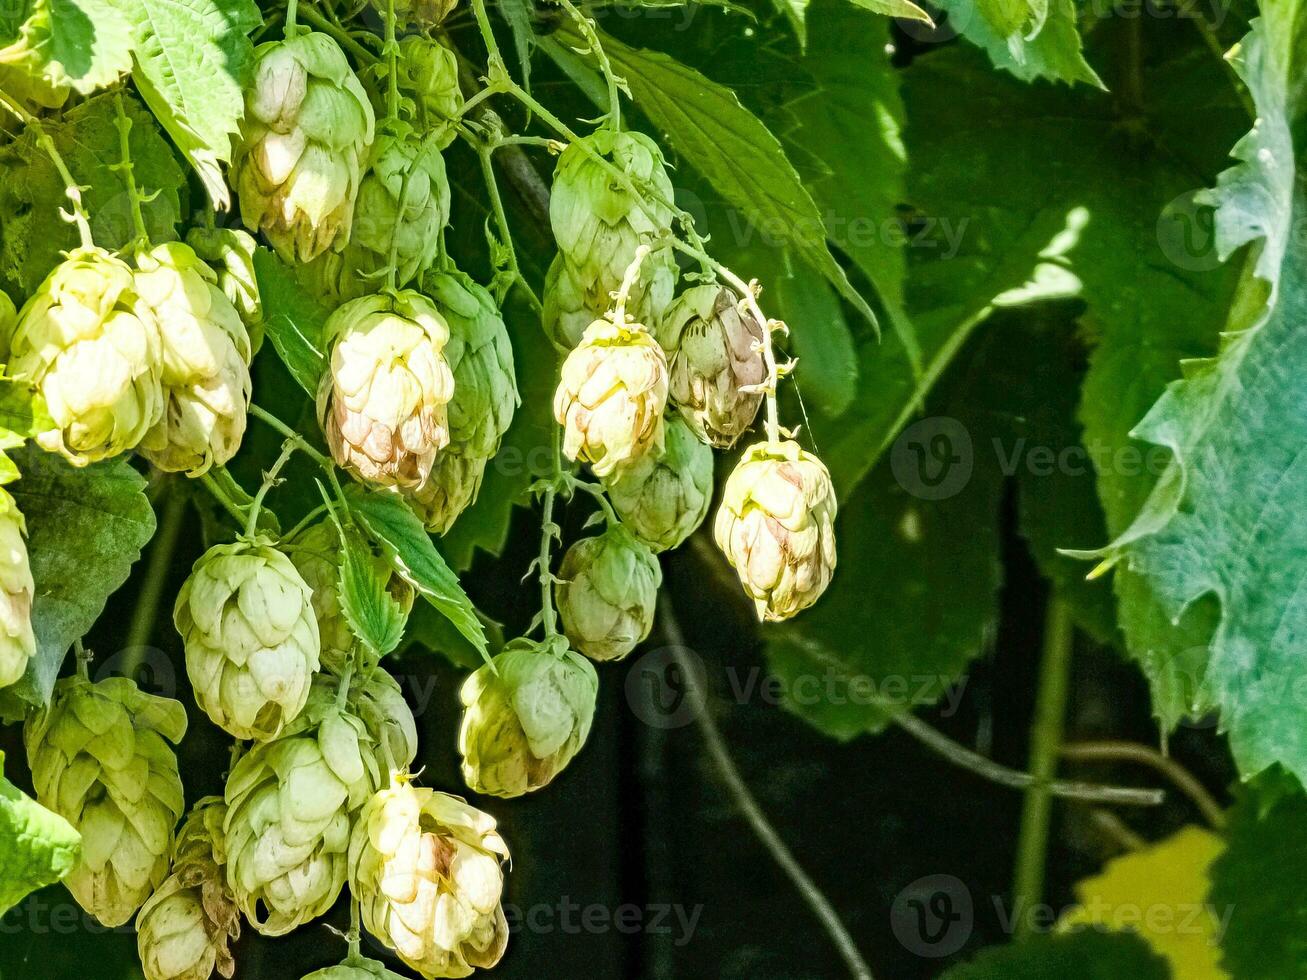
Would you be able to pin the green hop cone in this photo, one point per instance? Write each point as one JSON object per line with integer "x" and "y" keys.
{"x": 611, "y": 396}
{"x": 480, "y": 356}
{"x": 355, "y": 968}
{"x": 290, "y": 803}
{"x": 375, "y": 697}
{"x": 246, "y": 619}
{"x": 17, "y": 642}
{"x": 382, "y": 403}
{"x": 95, "y": 357}
{"x": 100, "y": 758}
{"x": 776, "y": 526}
{"x": 403, "y": 202}
{"x": 426, "y": 868}
{"x": 205, "y": 361}
{"x": 303, "y": 145}
{"x": 230, "y": 253}
{"x": 431, "y": 99}
{"x": 717, "y": 365}
{"x": 525, "y": 717}
{"x": 607, "y": 591}
{"x": 183, "y": 932}
{"x": 663, "y": 497}
{"x": 573, "y": 300}
{"x": 421, "y": 14}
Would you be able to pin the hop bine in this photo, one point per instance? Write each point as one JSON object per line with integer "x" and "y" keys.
{"x": 184, "y": 930}
{"x": 430, "y": 96}
{"x": 717, "y": 365}
{"x": 83, "y": 340}
{"x": 664, "y": 497}
{"x": 382, "y": 403}
{"x": 17, "y": 642}
{"x": 607, "y": 592}
{"x": 525, "y": 716}
{"x": 426, "y": 868}
{"x": 776, "y": 526}
{"x": 246, "y": 619}
{"x": 303, "y": 145}
{"x": 205, "y": 361}
{"x": 100, "y": 759}
{"x": 421, "y": 14}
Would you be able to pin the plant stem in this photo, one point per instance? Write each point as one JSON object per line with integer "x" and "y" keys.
{"x": 1045, "y": 744}
{"x": 220, "y": 495}
{"x": 156, "y": 577}
{"x": 485, "y": 152}
{"x": 487, "y": 32}
{"x": 744, "y": 799}
{"x": 291, "y": 6}
{"x": 355, "y": 929}
{"x": 124, "y": 166}
{"x": 343, "y": 37}
{"x": 1146, "y": 755}
{"x": 71, "y": 187}
{"x": 629, "y": 279}
{"x": 597, "y": 492}
{"x": 269, "y": 480}
{"x": 305, "y": 521}
{"x": 548, "y": 531}
{"x": 586, "y": 26}
{"x": 302, "y": 444}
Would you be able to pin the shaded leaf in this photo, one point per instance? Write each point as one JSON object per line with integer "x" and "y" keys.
{"x": 293, "y": 320}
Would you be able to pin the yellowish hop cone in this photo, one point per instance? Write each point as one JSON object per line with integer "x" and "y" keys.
{"x": 776, "y": 526}
{"x": 17, "y": 642}
{"x": 426, "y": 869}
{"x": 611, "y": 396}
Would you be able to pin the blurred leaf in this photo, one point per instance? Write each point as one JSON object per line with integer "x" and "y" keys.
{"x": 85, "y": 530}
{"x": 37, "y": 847}
{"x": 293, "y": 320}
{"x": 1083, "y": 955}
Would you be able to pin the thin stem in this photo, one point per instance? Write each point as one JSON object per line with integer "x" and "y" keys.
{"x": 1003, "y": 775}
{"x": 629, "y": 279}
{"x": 812, "y": 895}
{"x": 124, "y": 166}
{"x": 83, "y": 657}
{"x": 548, "y": 531}
{"x": 156, "y": 578}
{"x": 269, "y": 481}
{"x": 355, "y": 929}
{"x": 220, "y": 495}
{"x": 487, "y": 32}
{"x": 586, "y": 26}
{"x": 392, "y": 63}
{"x": 343, "y": 37}
{"x": 485, "y": 152}
{"x": 305, "y": 521}
{"x": 1180, "y": 777}
{"x": 71, "y": 187}
{"x": 302, "y": 444}
{"x": 1045, "y": 743}
{"x": 291, "y": 6}
{"x": 597, "y": 492}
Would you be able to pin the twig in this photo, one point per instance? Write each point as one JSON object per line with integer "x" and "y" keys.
{"x": 1180, "y": 777}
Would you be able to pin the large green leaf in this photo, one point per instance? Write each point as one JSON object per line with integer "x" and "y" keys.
{"x": 1030, "y": 38}
{"x": 37, "y": 847}
{"x": 85, "y": 529}
{"x": 293, "y": 320}
{"x": 1226, "y": 519}
{"x": 193, "y": 60}
{"x": 77, "y": 44}
{"x": 1085, "y": 954}
{"x": 33, "y": 231}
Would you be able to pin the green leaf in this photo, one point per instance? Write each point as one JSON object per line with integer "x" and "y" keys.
{"x": 32, "y": 230}
{"x": 390, "y": 521}
{"x": 193, "y": 60}
{"x": 1029, "y": 39}
{"x": 293, "y": 320}
{"x": 827, "y": 359}
{"x": 371, "y": 611}
{"x": 85, "y": 529}
{"x": 1256, "y": 882}
{"x": 739, "y": 156}
{"x": 895, "y": 8}
{"x": 77, "y": 44}
{"x": 1085, "y": 954}
{"x": 1223, "y": 535}
{"x": 37, "y": 847}
{"x": 430, "y": 632}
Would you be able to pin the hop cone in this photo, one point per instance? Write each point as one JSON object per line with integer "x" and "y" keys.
{"x": 230, "y": 252}
{"x": 303, "y": 145}
{"x": 573, "y": 300}
{"x": 776, "y": 526}
{"x": 664, "y": 497}
{"x": 17, "y": 643}
{"x": 246, "y": 618}
{"x": 526, "y": 718}
{"x": 718, "y": 358}
{"x": 430, "y": 96}
{"x": 99, "y": 759}
{"x": 355, "y": 968}
{"x": 205, "y": 361}
{"x": 383, "y": 402}
{"x": 183, "y": 931}
{"x": 607, "y": 591}
{"x": 290, "y": 805}
{"x": 425, "y": 867}
{"x": 422, "y": 14}
{"x": 82, "y": 341}
{"x": 611, "y": 396}
{"x": 403, "y": 201}
{"x": 485, "y": 396}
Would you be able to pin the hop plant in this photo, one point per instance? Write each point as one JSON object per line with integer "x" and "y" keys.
{"x": 17, "y": 642}
{"x": 403, "y": 203}
{"x": 290, "y": 806}
{"x": 230, "y": 253}
{"x": 572, "y": 301}
{"x": 607, "y": 591}
{"x": 611, "y": 397}
{"x": 717, "y": 365}
{"x": 303, "y": 145}
{"x": 422, "y": 14}
{"x": 82, "y": 340}
{"x": 355, "y": 968}
{"x": 426, "y": 868}
{"x": 205, "y": 361}
{"x": 430, "y": 96}
{"x": 183, "y": 931}
{"x": 485, "y": 396}
{"x": 663, "y": 497}
{"x": 246, "y": 619}
{"x": 776, "y": 526}
{"x": 383, "y": 402}
{"x": 525, "y": 716}
{"x": 100, "y": 758}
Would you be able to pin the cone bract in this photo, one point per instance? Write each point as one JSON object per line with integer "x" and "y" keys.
{"x": 17, "y": 642}
{"x": 663, "y": 497}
